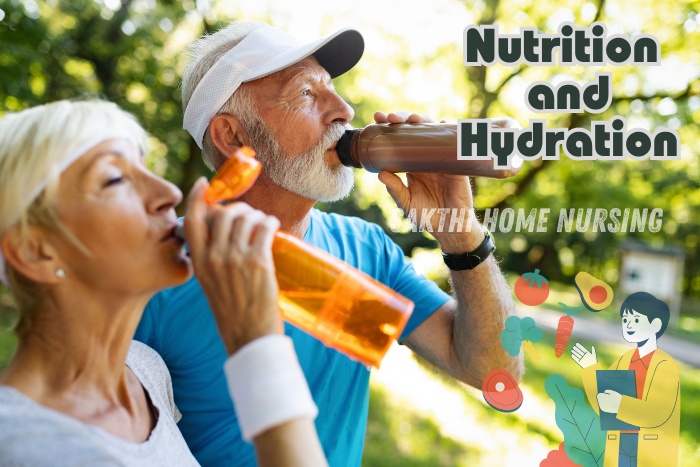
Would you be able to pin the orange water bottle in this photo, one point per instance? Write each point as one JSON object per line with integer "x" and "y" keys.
{"x": 341, "y": 306}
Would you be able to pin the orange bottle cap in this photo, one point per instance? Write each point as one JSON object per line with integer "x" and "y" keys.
{"x": 235, "y": 177}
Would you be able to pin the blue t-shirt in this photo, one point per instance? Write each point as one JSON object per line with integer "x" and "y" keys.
{"x": 178, "y": 324}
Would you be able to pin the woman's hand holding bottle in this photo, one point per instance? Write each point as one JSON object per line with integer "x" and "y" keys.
{"x": 231, "y": 251}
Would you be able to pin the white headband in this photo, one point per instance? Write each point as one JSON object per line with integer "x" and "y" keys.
{"x": 264, "y": 51}
{"x": 72, "y": 156}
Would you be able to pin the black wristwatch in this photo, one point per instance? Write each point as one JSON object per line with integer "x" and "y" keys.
{"x": 472, "y": 259}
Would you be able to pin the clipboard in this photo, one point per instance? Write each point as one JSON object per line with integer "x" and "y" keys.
{"x": 622, "y": 381}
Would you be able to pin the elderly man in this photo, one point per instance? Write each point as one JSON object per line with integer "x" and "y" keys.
{"x": 252, "y": 84}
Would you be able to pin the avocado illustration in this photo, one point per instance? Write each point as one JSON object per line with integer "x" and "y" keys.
{"x": 595, "y": 294}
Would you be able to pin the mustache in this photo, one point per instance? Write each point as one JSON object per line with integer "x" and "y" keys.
{"x": 330, "y": 137}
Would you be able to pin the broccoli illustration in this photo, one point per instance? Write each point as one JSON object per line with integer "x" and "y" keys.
{"x": 521, "y": 333}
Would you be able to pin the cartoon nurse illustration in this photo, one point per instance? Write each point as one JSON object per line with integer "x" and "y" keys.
{"x": 644, "y": 425}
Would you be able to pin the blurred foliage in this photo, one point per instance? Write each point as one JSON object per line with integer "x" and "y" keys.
{"x": 128, "y": 52}
{"x": 131, "y": 52}
{"x": 398, "y": 437}
{"x": 8, "y": 319}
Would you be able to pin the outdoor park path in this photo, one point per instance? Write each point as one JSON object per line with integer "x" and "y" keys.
{"x": 590, "y": 328}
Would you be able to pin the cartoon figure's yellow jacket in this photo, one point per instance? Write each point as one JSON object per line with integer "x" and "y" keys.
{"x": 657, "y": 408}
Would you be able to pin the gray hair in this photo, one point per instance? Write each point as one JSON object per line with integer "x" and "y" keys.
{"x": 36, "y": 145}
{"x": 204, "y": 53}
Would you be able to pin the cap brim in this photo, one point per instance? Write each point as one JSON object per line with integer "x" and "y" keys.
{"x": 341, "y": 53}
{"x": 337, "y": 53}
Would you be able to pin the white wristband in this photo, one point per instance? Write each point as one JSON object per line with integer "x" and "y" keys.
{"x": 267, "y": 385}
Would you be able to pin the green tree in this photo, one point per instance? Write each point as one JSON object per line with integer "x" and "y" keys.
{"x": 127, "y": 52}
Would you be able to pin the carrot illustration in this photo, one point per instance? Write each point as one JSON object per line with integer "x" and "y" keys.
{"x": 564, "y": 328}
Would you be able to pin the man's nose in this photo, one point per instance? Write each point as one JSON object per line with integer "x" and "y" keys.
{"x": 339, "y": 111}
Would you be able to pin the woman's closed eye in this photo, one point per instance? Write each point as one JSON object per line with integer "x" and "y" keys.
{"x": 113, "y": 181}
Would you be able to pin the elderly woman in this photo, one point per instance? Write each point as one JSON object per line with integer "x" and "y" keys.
{"x": 87, "y": 237}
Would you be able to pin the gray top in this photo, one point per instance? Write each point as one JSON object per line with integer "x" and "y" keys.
{"x": 34, "y": 435}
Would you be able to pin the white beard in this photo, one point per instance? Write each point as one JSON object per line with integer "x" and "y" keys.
{"x": 308, "y": 174}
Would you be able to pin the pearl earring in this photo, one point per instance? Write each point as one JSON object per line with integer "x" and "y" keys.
{"x": 60, "y": 273}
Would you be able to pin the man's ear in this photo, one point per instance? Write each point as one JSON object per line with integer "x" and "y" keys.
{"x": 227, "y": 134}
{"x": 656, "y": 324}
{"x": 31, "y": 254}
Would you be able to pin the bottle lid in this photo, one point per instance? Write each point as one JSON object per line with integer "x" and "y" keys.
{"x": 235, "y": 177}
{"x": 343, "y": 149}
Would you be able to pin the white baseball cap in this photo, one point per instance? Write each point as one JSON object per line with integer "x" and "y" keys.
{"x": 264, "y": 51}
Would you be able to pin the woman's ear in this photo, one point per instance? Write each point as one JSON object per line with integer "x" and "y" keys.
{"x": 32, "y": 254}
{"x": 227, "y": 134}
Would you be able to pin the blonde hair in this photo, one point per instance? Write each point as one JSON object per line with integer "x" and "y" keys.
{"x": 204, "y": 53}
{"x": 36, "y": 146}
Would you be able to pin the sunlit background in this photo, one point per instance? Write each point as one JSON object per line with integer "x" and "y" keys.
{"x": 131, "y": 52}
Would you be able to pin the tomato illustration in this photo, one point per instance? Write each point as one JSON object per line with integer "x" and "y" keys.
{"x": 532, "y": 288}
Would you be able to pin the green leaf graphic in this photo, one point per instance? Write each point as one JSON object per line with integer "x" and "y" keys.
{"x": 584, "y": 441}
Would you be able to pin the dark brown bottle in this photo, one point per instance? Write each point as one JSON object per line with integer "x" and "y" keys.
{"x": 413, "y": 147}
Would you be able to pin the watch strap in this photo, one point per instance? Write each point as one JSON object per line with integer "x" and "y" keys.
{"x": 470, "y": 260}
